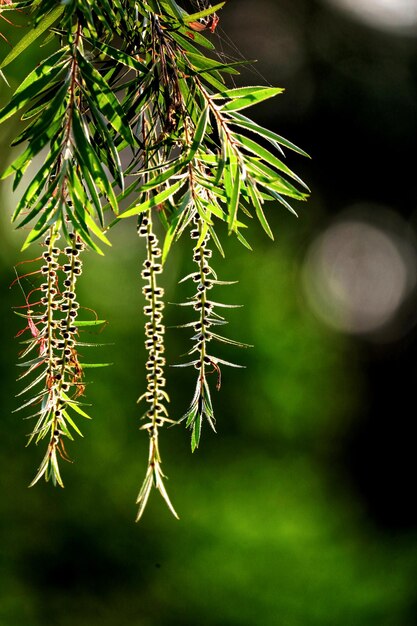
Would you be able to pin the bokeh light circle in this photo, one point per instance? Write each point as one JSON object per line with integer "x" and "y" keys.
{"x": 357, "y": 274}
{"x": 390, "y": 15}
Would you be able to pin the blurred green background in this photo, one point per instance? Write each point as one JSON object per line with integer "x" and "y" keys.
{"x": 300, "y": 512}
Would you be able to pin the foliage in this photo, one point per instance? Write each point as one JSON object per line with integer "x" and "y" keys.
{"x": 132, "y": 117}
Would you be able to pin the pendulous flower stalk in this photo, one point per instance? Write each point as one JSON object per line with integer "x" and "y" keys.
{"x": 155, "y": 396}
{"x": 205, "y": 278}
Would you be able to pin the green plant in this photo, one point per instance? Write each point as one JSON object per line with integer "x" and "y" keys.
{"x": 132, "y": 107}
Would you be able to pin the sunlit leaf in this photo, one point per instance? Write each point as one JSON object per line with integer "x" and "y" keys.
{"x": 32, "y": 35}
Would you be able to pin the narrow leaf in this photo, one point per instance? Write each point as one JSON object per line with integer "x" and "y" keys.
{"x": 33, "y": 34}
{"x": 154, "y": 201}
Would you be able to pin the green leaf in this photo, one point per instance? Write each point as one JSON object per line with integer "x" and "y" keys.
{"x": 52, "y": 109}
{"x": 204, "y": 230}
{"x": 243, "y": 92}
{"x": 274, "y": 138}
{"x": 72, "y": 423}
{"x": 193, "y": 17}
{"x": 32, "y": 85}
{"x": 259, "y": 212}
{"x": 233, "y": 204}
{"x": 19, "y": 165}
{"x": 267, "y": 156}
{"x": 48, "y": 197}
{"x": 228, "y": 363}
{"x": 232, "y": 183}
{"x": 107, "y": 103}
{"x": 94, "y": 365}
{"x": 281, "y": 200}
{"x": 164, "y": 176}
{"x": 80, "y": 216}
{"x": 161, "y": 488}
{"x": 75, "y": 406}
{"x": 190, "y": 415}
{"x": 270, "y": 178}
{"x": 89, "y": 184}
{"x": 203, "y": 63}
{"x": 82, "y": 323}
{"x": 35, "y": 187}
{"x": 33, "y": 383}
{"x": 90, "y": 164}
{"x": 42, "y": 204}
{"x": 232, "y": 342}
{"x": 2, "y": 76}
{"x": 216, "y": 241}
{"x": 143, "y": 496}
{"x": 79, "y": 225}
{"x": 154, "y": 201}
{"x": 33, "y": 34}
{"x": 196, "y": 432}
{"x": 243, "y": 241}
{"x": 252, "y": 98}
{"x": 109, "y": 143}
{"x": 49, "y": 217}
{"x": 118, "y": 55}
{"x": 199, "y": 132}
{"x": 184, "y": 40}
{"x": 169, "y": 238}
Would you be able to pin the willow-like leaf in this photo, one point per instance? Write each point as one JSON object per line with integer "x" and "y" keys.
{"x": 192, "y": 17}
{"x": 32, "y": 35}
{"x": 38, "y": 79}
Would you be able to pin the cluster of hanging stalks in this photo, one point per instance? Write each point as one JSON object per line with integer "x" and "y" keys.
{"x": 50, "y": 357}
{"x": 131, "y": 116}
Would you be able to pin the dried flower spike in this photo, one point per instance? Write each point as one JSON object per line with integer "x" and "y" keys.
{"x": 155, "y": 396}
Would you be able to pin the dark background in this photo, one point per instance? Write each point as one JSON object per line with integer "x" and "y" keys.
{"x": 300, "y": 512}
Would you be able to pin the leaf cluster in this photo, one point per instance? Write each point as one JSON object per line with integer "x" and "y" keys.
{"x": 135, "y": 79}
